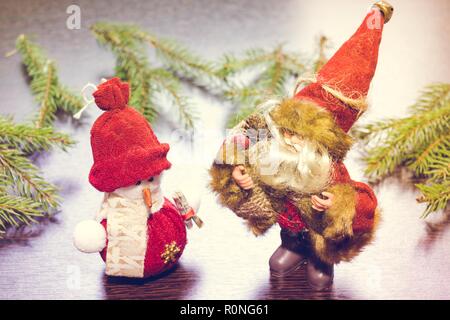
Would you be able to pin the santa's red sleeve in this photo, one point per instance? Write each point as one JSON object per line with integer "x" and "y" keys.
{"x": 365, "y": 206}
{"x": 349, "y": 224}
{"x": 354, "y": 206}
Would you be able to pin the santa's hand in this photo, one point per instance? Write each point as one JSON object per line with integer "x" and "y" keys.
{"x": 242, "y": 179}
{"x": 322, "y": 204}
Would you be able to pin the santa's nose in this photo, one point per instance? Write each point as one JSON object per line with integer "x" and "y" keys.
{"x": 147, "y": 195}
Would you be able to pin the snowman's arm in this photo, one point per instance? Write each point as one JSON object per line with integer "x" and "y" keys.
{"x": 89, "y": 236}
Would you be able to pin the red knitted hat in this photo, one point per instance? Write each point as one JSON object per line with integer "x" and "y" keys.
{"x": 351, "y": 69}
{"x": 124, "y": 147}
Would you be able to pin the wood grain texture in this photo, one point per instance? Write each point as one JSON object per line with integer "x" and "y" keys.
{"x": 410, "y": 257}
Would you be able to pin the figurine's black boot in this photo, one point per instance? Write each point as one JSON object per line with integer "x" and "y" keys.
{"x": 320, "y": 275}
{"x": 289, "y": 256}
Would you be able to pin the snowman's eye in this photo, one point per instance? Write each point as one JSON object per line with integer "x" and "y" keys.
{"x": 151, "y": 179}
{"x": 138, "y": 183}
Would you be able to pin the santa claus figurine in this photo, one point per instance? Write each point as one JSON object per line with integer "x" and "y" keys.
{"x": 137, "y": 231}
{"x": 284, "y": 163}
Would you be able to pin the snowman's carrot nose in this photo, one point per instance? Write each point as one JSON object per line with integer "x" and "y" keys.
{"x": 147, "y": 194}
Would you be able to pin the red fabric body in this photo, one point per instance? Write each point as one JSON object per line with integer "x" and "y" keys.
{"x": 290, "y": 219}
{"x": 124, "y": 147}
{"x": 366, "y": 204}
{"x": 349, "y": 71}
{"x": 164, "y": 226}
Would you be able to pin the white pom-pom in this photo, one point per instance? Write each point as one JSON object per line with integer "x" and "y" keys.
{"x": 89, "y": 236}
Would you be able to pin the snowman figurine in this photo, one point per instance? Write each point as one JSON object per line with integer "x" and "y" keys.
{"x": 138, "y": 232}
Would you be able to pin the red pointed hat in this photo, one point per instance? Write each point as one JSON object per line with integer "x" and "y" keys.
{"x": 342, "y": 83}
{"x": 124, "y": 147}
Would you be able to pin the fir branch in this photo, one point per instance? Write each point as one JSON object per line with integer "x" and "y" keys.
{"x": 293, "y": 64}
{"x": 420, "y": 141}
{"x": 48, "y": 107}
{"x": 142, "y": 96}
{"x": 166, "y": 83}
{"x": 433, "y": 159}
{"x": 29, "y": 139}
{"x": 132, "y": 64}
{"x": 230, "y": 64}
{"x": 17, "y": 211}
{"x": 436, "y": 196}
{"x": 24, "y": 179}
{"x": 3, "y": 182}
{"x": 398, "y": 140}
{"x": 48, "y": 91}
{"x": 275, "y": 69}
{"x": 435, "y": 95}
{"x": 184, "y": 63}
{"x": 24, "y": 194}
{"x": 153, "y": 89}
{"x": 273, "y": 79}
{"x": 66, "y": 100}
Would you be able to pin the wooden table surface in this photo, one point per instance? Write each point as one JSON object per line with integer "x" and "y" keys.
{"x": 410, "y": 258}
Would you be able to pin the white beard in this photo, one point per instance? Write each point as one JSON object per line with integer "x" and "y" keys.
{"x": 304, "y": 168}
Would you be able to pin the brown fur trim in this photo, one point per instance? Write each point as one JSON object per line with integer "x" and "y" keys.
{"x": 338, "y": 219}
{"x": 314, "y": 123}
{"x": 332, "y": 252}
{"x": 253, "y": 205}
{"x": 230, "y": 194}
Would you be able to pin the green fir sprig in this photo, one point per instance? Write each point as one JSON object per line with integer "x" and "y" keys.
{"x": 420, "y": 141}
{"x": 155, "y": 89}
{"x": 29, "y": 139}
{"x": 24, "y": 194}
{"x": 45, "y": 85}
{"x": 275, "y": 72}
